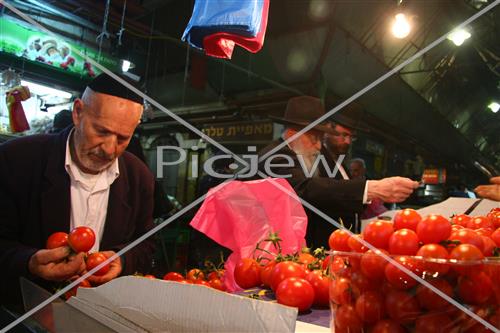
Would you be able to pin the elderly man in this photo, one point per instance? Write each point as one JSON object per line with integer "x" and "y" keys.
{"x": 79, "y": 177}
{"x": 312, "y": 176}
{"x": 357, "y": 168}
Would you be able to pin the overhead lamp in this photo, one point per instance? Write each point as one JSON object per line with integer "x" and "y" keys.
{"x": 401, "y": 26}
{"x": 41, "y": 90}
{"x": 126, "y": 65}
{"x": 494, "y": 107}
{"x": 458, "y": 37}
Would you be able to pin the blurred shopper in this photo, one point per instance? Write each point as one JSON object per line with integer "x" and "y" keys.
{"x": 81, "y": 176}
{"x": 300, "y": 163}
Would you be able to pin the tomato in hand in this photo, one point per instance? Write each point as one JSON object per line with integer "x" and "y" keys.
{"x": 195, "y": 274}
{"x": 403, "y": 242}
{"x": 94, "y": 260}
{"x": 57, "y": 239}
{"x": 173, "y": 276}
{"x": 433, "y": 229}
{"x": 247, "y": 273}
{"x": 378, "y": 233}
{"x": 406, "y": 219}
{"x": 81, "y": 239}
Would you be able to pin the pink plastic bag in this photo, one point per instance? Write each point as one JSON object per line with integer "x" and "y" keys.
{"x": 240, "y": 214}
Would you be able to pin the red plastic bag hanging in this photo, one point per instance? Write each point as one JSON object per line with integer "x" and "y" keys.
{"x": 17, "y": 118}
{"x": 239, "y": 214}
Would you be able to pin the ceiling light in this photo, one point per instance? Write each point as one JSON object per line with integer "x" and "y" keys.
{"x": 400, "y": 27}
{"x": 40, "y": 90}
{"x": 494, "y": 107}
{"x": 126, "y": 65}
{"x": 458, "y": 37}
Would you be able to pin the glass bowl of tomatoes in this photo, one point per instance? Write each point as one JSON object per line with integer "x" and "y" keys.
{"x": 376, "y": 291}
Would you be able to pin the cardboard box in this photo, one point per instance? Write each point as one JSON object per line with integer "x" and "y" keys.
{"x": 137, "y": 304}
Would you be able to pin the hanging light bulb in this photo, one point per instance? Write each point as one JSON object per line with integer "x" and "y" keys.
{"x": 401, "y": 26}
{"x": 494, "y": 107}
{"x": 458, "y": 37}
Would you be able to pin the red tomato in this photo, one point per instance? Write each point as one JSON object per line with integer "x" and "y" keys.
{"x": 461, "y": 219}
{"x": 475, "y": 288}
{"x": 94, "y": 260}
{"x": 401, "y": 306}
{"x": 81, "y": 239}
{"x": 433, "y": 322}
{"x": 398, "y": 278}
{"x": 321, "y": 286}
{"x": 494, "y": 217}
{"x": 195, "y": 274}
{"x": 247, "y": 273}
{"x": 488, "y": 246}
{"x": 467, "y": 236}
{"x": 480, "y": 222}
{"x": 429, "y": 300}
{"x": 406, "y": 219}
{"x": 202, "y": 282}
{"x": 149, "y": 276}
{"x": 286, "y": 269}
{"x": 378, "y": 233}
{"x": 306, "y": 258}
{"x": 343, "y": 291}
{"x": 495, "y": 236}
{"x": 484, "y": 231}
{"x": 217, "y": 274}
{"x": 57, "y": 239}
{"x": 326, "y": 262}
{"x": 370, "y": 307}
{"x": 182, "y": 281}
{"x": 217, "y": 284}
{"x": 455, "y": 227}
{"x": 72, "y": 291}
{"x": 434, "y": 251}
{"x": 433, "y": 229}
{"x": 265, "y": 273}
{"x": 466, "y": 253}
{"x": 387, "y": 326}
{"x": 347, "y": 318}
{"x": 296, "y": 292}
{"x": 363, "y": 283}
{"x": 373, "y": 265}
{"x": 173, "y": 276}
{"x": 338, "y": 240}
{"x": 355, "y": 245}
{"x": 403, "y": 242}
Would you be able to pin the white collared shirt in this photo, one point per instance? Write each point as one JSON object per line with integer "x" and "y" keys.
{"x": 89, "y": 195}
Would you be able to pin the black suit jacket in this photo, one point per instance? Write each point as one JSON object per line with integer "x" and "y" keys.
{"x": 35, "y": 202}
{"x": 334, "y": 196}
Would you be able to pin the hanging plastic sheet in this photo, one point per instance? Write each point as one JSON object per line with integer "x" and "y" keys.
{"x": 240, "y": 214}
{"x": 221, "y": 44}
{"x": 17, "y": 117}
{"x": 239, "y": 21}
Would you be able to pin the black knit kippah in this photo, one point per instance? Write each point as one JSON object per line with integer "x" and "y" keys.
{"x": 105, "y": 84}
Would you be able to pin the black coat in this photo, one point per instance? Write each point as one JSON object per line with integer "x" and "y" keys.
{"x": 335, "y": 197}
{"x": 35, "y": 202}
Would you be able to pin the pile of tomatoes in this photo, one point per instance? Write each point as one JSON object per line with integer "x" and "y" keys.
{"x": 80, "y": 239}
{"x": 196, "y": 276}
{"x": 456, "y": 256}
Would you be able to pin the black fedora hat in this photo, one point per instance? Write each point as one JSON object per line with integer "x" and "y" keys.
{"x": 351, "y": 117}
{"x": 301, "y": 111}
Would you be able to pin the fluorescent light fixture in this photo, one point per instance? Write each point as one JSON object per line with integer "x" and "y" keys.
{"x": 401, "y": 26}
{"x": 42, "y": 90}
{"x": 458, "y": 37}
{"x": 494, "y": 107}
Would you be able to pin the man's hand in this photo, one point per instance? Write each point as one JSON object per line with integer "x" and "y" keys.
{"x": 392, "y": 189}
{"x": 115, "y": 268}
{"x": 490, "y": 191}
{"x": 51, "y": 264}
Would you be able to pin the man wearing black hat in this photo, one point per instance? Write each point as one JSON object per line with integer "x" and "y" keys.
{"x": 312, "y": 174}
{"x": 81, "y": 176}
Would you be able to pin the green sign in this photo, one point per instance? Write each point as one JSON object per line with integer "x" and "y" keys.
{"x": 34, "y": 45}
